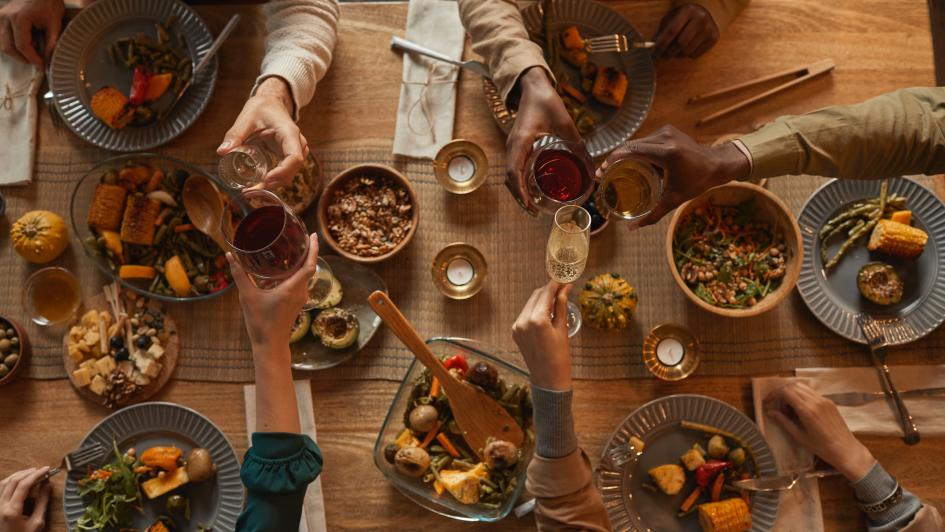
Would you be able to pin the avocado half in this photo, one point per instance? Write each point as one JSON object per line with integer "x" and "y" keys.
{"x": 334, "y": 296}
{"x": 880, "y": 283}
{"x": 337, "y": 328}
{"x": 301, "y": 326}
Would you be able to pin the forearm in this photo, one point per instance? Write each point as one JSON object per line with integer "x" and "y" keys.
{"x": 301, "y": 36}
{"x": 875, "y": 487}
{"x": 276, "y": 407}
{"x": 723, "y": 11}
{"x": 899, "y": 133}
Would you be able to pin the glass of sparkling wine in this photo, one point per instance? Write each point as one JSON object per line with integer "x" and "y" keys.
{"x": 630, "y": 188}
{"x": 247, "y": 164}
{"x": 566, "y": 255}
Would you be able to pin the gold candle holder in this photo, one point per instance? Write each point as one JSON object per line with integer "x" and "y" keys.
{"x": 461, "y": 166}
{"x": 459, "y": 271}
{"x": 671, "y": 352}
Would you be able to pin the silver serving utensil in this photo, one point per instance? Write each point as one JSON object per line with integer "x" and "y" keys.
{"x": 877, "y": 341}
{"x": 614, "y": 43}
{"x": 862, "y": 398}
{"x": 78, "y": 459}
{"x": 783, "y": 482}
{"x": 205, "y": 60}
{"x": 408, "y": 46}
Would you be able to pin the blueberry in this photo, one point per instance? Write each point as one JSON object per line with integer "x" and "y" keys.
{"x": 122, "y": 354}
{"x": 143, "y": 341}
{"x": 116, "y": 342}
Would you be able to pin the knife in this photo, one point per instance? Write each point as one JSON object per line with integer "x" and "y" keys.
{"x": 781, "y": 482}
{"x": 862, "y": 398}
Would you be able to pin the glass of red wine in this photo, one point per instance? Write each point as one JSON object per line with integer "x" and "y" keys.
{"x": 559, "y": 173}
{"x": 268, "y": 240}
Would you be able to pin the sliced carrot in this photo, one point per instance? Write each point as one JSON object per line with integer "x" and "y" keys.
{"x": 447, "y": 444}
{"x": 691, "y": 499}
{"x": 134, "y": 271}
{"x": 429, "y": 437}
{"x": 155, "y": 181}
{"x": 717, "y": 487}
{"x": 434, "y": 387}
{"x": 161, "y": 216}
{"x": 183, "y": 228}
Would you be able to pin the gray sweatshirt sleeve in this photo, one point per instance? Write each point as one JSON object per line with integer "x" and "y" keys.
{"x": 874, "y": 488}
{"x": 554, "y": 423}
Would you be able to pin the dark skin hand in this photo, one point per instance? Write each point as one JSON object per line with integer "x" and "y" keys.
{"x": 540, "y": 112}
{"x": 690, "y": 167}
{"x": 687, "y": 31}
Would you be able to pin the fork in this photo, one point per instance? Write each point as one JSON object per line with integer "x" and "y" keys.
{"x": 408, "y": 46}
{"x": 614, "y": 43}
{"x": 876, "y": 338}
{"x": 78, "y": 459}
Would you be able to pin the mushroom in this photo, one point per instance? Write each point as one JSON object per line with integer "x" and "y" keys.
{"x": 423, "y": 418}
{"x": 412, "y": 461}
{"x": 199, "y": 465}
{"x": 390, "y": 452}
{"x": 500, "y": 454}
{"x": 483, "y": 374}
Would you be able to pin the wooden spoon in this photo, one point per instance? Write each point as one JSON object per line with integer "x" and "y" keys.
{"x": 478, "y": 415}
{"x": 204, "y": 207}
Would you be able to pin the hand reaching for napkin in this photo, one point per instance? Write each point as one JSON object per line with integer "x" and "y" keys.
{"x": 18, "y": 18}
{"x": 815, "y": 423}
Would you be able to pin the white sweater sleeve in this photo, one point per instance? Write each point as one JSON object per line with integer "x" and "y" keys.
{"x": 300, "y": 38}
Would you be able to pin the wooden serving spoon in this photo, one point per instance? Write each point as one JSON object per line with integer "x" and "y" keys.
{"x": 478, "y": 415}
{"x": 204, "y": 207}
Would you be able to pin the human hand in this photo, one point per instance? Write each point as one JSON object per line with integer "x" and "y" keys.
{"x": 270, "y": 314}
{"x": 686, "y": 31}
{"x": 815, "y": 423}
{"x": 269, "y": 113}
{"x": 540, "y": 112}
{"x": 14, "y": 490}
{"x": 690, "y": 167}
{"x": 18, "y": 18}
{"x": 542, "y": 340}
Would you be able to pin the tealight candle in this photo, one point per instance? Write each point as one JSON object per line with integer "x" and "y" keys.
{"x": 670, "y": 351}
{"x": 461, "y": 169}
{"x": 460, "y": 271}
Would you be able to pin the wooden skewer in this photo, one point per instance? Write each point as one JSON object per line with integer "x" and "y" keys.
{"x": 805, "y": 73}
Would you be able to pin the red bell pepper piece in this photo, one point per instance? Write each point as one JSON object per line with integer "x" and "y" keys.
{"x": 218, "y": 281}
{"x": 139, "y": 85}
{"x": 457, "y": 362}
{"x": 708, "y": 470}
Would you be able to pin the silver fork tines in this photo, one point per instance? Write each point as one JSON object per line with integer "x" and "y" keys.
{"x": 79, "y": 459}
{"x": 617, "y": 42}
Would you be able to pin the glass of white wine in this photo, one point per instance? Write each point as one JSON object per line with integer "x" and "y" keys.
{"x": 566, "y": 255}
{"x": 630, "y": 188}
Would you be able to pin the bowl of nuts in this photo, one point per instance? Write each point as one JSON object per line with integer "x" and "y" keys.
{"x": 14, "y": 349}
{"x": 368, "y": 213}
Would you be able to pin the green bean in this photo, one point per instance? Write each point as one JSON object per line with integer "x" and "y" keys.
{"x": 850, "y": 242}
{"x": 489, "y": 484}
{"x": 853, "y": 212}
{"x": 437, "y": 449}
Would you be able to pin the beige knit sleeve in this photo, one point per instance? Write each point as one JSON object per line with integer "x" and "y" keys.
{"x": 300, "y": 38}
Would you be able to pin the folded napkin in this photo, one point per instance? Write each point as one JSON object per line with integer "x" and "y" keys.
{"x": 19, "y": 83}
{"x": 313, "y": 511}
{"x": 879, "y": 417}
{"x": 428, "y": 92}
{"x": 799, "y": 508}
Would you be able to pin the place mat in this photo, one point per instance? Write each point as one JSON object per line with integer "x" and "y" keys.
{"x": 214, "y": 346}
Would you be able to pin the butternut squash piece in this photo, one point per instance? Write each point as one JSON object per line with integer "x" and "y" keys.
{"x": 133, "y": 271}
{"x": 113, "y": 244}
{"x": 903, "y": 217}
{"x": 610, "y": 86}
{"x": 157, "y": 86}
{"x": 176, "y": 276}
{"x": 161, "y": 457}
{"x": 571, "y": 38}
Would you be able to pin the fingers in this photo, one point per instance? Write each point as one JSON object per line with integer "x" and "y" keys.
{"x": 301, "y": 277}
{"x": 52, "y": 35}
{"x": 691, "y": 36}
{"x": 544, "y": 305}
{"x": 23, "y": 38}
{"x": 37, "y": 519}
{"x": 788, "y": 425}
{"x": 6, "y": 41}
{"x": 10, "y": 483}
{"x": 561, "y": 307}
{"x": 290, "y": 141}
{"x": 704, "y": 47}
{"x": 517, "y": 152}
{"x": 243, "y": 283}
{"x": 241, "y": 130}
{"x": 25, "y": 485}
{"x": 674, "y": 22}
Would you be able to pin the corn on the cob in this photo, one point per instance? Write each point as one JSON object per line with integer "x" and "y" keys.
{"x": 730, "y": 515}
{"x": 897, "y": 239}
{"x": 107, "y": 204}
{"x": 137, "y": 227}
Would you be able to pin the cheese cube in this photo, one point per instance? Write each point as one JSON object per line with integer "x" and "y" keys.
{"x": 141, "y": 380}
{"x": 98, "y": 385}
{"x": 151, "y": 368}
{"x": 90, "y": 365}
{"x": 140, "y": 359}
{"x": 126, "y": 367}
{"x": 156, "y": 351}
{"x": 75, "y": 354}
{"x": 105, "y": 365}
{"x": 82, "y": 377}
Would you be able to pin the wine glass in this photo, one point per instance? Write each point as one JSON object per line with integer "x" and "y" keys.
{"x": 566, "y": 255}
{"x": 560, "y": 172}
{"x": 630, "y": 188}
{"x": 268, "y": 240}
{"x": 247, "y": 164}
{"x": 319, "y": 286}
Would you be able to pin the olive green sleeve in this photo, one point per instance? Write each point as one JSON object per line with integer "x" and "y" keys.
{"x": 723, "y": 11}
{"x": 898, "y": 133}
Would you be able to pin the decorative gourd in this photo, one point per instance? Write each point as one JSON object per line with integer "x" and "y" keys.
{"x": 608, "y": 302}
{"x": 40, "y": 236}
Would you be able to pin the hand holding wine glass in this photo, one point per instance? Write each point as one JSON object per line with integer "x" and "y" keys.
{"x": 543, "y": 339}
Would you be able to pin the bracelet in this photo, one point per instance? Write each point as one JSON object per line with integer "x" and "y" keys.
{"x": 891, "y": 500}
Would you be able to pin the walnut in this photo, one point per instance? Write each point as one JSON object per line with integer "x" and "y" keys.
{"x": 369, "y": 216}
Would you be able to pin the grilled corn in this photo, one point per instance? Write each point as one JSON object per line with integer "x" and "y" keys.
{"x": 897, "y": 239}
{"x": 137, "y": 227}
{"x": 108, "y": 202}
{"x": 730, "y": 515}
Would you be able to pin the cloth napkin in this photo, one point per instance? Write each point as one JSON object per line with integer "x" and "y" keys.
{"x": 313, "y": 510}
{"x": 799, "y": 509}
{"x": 427, "y": 105}
{"x": 19, "y": 83}
{"x": 879, "y": 417}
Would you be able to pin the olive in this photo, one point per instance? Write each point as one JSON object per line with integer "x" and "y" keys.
{"x": 423, "y": 418}
{"x": 178, "y": 504}
{"x": 143, "y": 341}
{"x": 4, "y": 370}
{"x": 500, "y": 454}
{"x": 15, "y": 341}
{"x": 11, "y": 360}
{"x": 122, "y": 354}
{"x": 3, "y": 333}
{"x": 483, "y": 374}
{"x": 116, "y": 342}
{"x": 412, "y": 461}
{"x": 10, "y": 332}
{"x": 390, "y": 452}
{"x": 5, "y": 345}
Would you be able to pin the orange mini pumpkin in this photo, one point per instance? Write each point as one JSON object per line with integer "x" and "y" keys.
{"x": 40, "y": 236}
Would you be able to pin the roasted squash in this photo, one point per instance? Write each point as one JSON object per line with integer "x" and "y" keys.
{"x": 669, "y": 478}
{"x": 162, "y": 457}
{"x": 108, "y": 202}
{"x": 608, "y": 302}
{"x": 113, "y": 244}
{"x": 133, "y": 271}
{"x": 610, "y": 86}
{"x": 159, "y": 485}
{"x": 138, "y": 227}
{"x": 575, "y": 58}
{"x": 157, "y": 86}
{"x": 39, "y": 236}
{"x": 571, "y": 38}
{"x": 135, "y": 174}
{"x": 176, "y": 276}
{"x": 903, "y": 217}
{"x": 111, "y": 107}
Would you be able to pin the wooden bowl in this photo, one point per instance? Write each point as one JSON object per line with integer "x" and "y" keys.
{"x": 24, "y": 350}
{"x": 770, "y": 208}
{"x": 365, "y": 170}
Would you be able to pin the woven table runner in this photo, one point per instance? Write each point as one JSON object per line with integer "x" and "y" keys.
{"x": 214, "y": 346}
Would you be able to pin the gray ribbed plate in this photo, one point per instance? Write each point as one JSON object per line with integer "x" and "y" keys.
{"x": 81, "y": 66}
{"x": 216, "y": 502}
{"x": 834, "y": 298}
{"x": 631, "y": 507}
{"x": 594, "y": 19}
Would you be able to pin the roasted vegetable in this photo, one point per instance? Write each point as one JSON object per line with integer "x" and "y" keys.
{"x": 165, "y": 458}
{"x": 301, "y": 326}
{"x": 162, "y": 484}
{"x": 717, "y": 447}
{"x": 610, "y": 86}
{"x": 111, "y": 107}
{"x": 463, "y": 485}
{"x": 200, "y": 466}
{"x": 731, "y": 515}
{"x": 137, "y": 226}
{"x": 576, "y": 58}
{"x": 423, "y": 418}
{"x": 737, "y": 456}
{"x": 879, "y": 283}
{"x": 139, "y": 85}
{"x": 157, "y": 86}
{"x": 501, "y": 454}
{"x": 132, "y": 271}
{"x": 176, "y": 276}
{"x": 897, "y": 239}
{"x": 412, "y": 461}
{"x": 337, "y": 328}
{"x": 707, "y": 471}
{"x": 692, "y": 459}
{"x": 608, "y": 302}
{"x": 571, "y": 38}
{"x": 670, "y": 478}
{"x": 903, "y": 217}
{"x": 483, "y": 374}
{"x": 108, "y": 202}
{"x": 113, "y": 243}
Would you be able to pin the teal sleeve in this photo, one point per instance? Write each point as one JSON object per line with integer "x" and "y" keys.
{"x": 276, "y": 471}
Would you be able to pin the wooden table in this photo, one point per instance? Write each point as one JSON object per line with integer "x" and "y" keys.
{"x": 878, "y": 46}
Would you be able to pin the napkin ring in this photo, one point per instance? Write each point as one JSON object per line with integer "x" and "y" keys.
{"x": 885, "y": 504}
